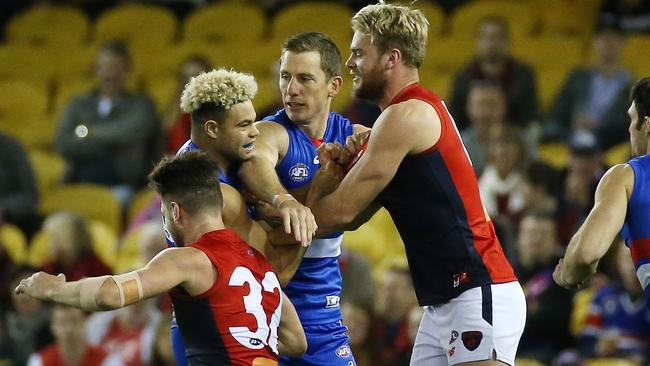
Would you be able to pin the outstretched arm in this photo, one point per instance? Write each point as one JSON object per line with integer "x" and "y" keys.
{"x": 591, "y": 242}
{"x": 165, "y": 271}
{"x": 261, "y": 179}
{"x": 291, "y": 336}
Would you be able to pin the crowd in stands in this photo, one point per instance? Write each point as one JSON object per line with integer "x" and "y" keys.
{"x": 540, "y": 126}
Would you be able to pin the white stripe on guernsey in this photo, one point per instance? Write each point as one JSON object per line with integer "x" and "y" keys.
{"x": 453, "y": 123}
{"x": 324, "y": 248}
{"x": 644, "y": 275}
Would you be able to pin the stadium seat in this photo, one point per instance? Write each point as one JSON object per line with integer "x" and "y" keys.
{"x": 555, "y": 154}
{"x": 542, "y": 52}
{"x": 580, "y": 310}
{"x": 22, "y": 113}
{"x": 141, "y": 201}
{"x": 104, "y": 245}
{"x": 448, "y": 55}
{"x": 49, "y": 169}
{"x": 228, "y": 21}
{"x": 327, "y": 17}
{"x": 128, "y": 255}
{"x": 634, "y": 54}
{"x": 440, "y": 83}
{"x": 527, "y": 362}
{"x": 568, "y": 18}
{"x": 137, "y": 24}
{"x": 465, "y": 19}
{"x": 30, "y": 64}
{"x": 549, "y": 83}
{"x": 14, "y": 242}
{"x": 49, "y": 25}
{"x": 267, "y": 93}
{"x": 618, "y": 154}
{"x": 91, "y": 201}
{"x": 436, "y": 17}
{"x": 68, "y": 89}
{"x": 610, "y": 362}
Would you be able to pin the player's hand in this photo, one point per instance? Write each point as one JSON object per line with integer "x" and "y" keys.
{"x": 334, "y": 152}
{"x": 39, "y": 285}
{"x": 355, "y": 142}
{"x": 558, "y": 276}
{"x": 298, "y": 219}
{"x": 325, "y": 181}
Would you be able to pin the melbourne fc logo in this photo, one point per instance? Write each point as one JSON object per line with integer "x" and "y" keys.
{"x": 343, "y": 351}
{"x": 299, "y": 172}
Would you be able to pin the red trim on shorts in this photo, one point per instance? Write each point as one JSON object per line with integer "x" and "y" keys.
{"x": 640, "y": 249}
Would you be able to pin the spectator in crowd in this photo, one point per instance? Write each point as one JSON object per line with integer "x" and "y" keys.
{"x": 71, "y": 348}
{"x": 500, "y": 182}
{"x": 26, "y": 324}
{"x": 493, "y": 61}
{"x": 108, "y": 136}
{"x": 632, "y": 15}
{"x": 128, "y": 332}
{"x": 539, "y": 187}
{"x": 359, "y": 319}
{"x": 358, "y": 283}
{"x": 18, "y": 191}
{"x": 176, "y": 123}
{"x": 395, "y": 299}
{"x": 71, "y": 251}
{"x": 595, "y": 98}
{"x": 578, "y": 183}
{"x": 618, "y": 323}
{"x": 549, "y": 306}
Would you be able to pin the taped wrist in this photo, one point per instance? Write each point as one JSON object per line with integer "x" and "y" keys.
{"x": 279, "y": 199}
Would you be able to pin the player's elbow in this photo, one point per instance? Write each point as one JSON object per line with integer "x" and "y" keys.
{"x": 108, "y": 297}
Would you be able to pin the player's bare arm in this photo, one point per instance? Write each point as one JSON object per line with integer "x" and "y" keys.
{"x": 400, "y": 130}
{"x": 291, "y": 336}
{"x": 261, "y": 179}
{"x": 186, "y": 267}
{"x": 595, "y": 236}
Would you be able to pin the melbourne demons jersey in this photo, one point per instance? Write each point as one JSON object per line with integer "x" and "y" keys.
{"x": 315, "y": 289}
{"x": 434, "y": 200}
{"x": 235, "y": 321}
{"x": 636, "y": 229}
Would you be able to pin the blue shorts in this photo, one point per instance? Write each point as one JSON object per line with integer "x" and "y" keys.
{"x": 177, "y": 345}
{"x": 326, "y": 345}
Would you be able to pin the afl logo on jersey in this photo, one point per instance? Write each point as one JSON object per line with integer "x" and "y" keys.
{"x": 299, "y": 172}
{"x": 344, "y": 351}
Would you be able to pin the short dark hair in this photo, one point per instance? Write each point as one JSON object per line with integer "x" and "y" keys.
{"x": 640, "y": 95}
{"x": 540, "y": 215}
{"x": 542, "y": 174}
{"x": 118, "y": 48}
{"x": 208, "y": 111}
{"x": 190, "y": 179}
{"x": 330, "y": 56}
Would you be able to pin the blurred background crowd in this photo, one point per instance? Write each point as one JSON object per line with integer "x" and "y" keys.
{"x": 89, "y": 99}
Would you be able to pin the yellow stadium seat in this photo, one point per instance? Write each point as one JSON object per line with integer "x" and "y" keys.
{"x": 49, "y": 169}
{"x": 34, "y": 65}
{"x": 436, "y": 17}
{"x": 556, "y": 154}
{"x": 225, "y": 22}
{"x": 22, "y": 113}
{"x": 636, "y": 48}
{"x": 376, "y": 238}
{"x": 14, "y": 242}
{"x": 141, "y": 201}
{"x": 439, "y": 83}
{"x": 527, "y": 362}
{"x": 48, "y": 24}
{"x": 549, "y": 83}
{"x": 67, "y": 90}
{"x": 618, "y": 154}
{"x": 572, "y": 18}
{"x": 580, "y": 310}
{"x": 73, "y": 66}
{"x": 327, "y": 17}
{"x": 104, "y": 245}
{"x": 128, "y": 256}
{"x": 162, "y": 90}
{"x": 543, "y": 52}
{"x": 268, "y": 92}
{"x": 610, "y": 362}
{"x": 466, "y": 18}
{"x": 137, "y": 23}
{"x": 91, "y": 201}
{"x": 448, "y": 55}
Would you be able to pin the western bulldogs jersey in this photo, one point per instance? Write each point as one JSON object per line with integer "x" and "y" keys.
{"x": 236, "y": 321}
{"x": 434, "y": 200}
{"x": 636, "y": 229}
{"x": 315, "y": 289}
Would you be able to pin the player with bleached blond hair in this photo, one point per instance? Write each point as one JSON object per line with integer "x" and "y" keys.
{"x": 414, "y": 164}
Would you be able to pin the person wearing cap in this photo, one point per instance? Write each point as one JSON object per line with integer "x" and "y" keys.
{"x": 594, "y": 98}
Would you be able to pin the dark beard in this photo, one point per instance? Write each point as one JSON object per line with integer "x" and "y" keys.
{"x": 371, "y": 90}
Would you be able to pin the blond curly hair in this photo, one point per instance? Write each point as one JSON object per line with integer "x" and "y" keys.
{"x": 394, "y": 26}
{"x": 223, "y": 88}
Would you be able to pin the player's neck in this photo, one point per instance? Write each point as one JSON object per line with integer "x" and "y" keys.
{"x": 201, "y": 225}
{"x": 316, "y": 128}
{"x": 396, "y": 83}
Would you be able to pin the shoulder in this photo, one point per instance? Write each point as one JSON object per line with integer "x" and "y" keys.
{"x": 183, "y": 258}
{"x": 412, "y": 111}
{"x": 619, "y": 175}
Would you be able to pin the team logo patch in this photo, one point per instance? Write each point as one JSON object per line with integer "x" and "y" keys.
{"x": 454, "y": 336}
{"x": 344, "y": 351}
{"x": 255, "y": 341}
{"x": 461, "y": 279}
{"x": 472, "y": 339}
{"x": 332, "y": 301}
{"x": 299, "y": 172}
{"x": 250, "y": 252}
{"x": 451, "y": 351}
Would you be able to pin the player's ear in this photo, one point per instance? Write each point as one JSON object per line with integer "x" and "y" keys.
{"x": 211, "y": 128}
{"x": 335, "y": 85}
{"x": 176, "y": 211}
{"x": 646, "y": 125}
{"x": 394, "y": 56}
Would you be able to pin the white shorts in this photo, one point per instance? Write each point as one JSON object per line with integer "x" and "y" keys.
{"x": 479, "y": 323}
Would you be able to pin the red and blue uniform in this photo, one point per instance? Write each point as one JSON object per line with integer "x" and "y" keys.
{"x": 636, "y": 229}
